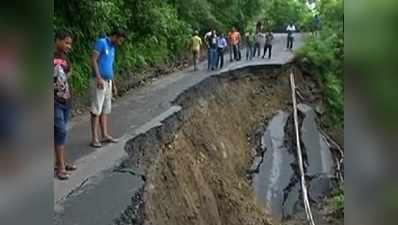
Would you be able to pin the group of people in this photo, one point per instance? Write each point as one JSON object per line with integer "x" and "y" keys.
{"x": 102, "y": 86}
{"x": 101, "y": 90}
{"x": 258, "y": 41}
{"x": 261, "y": 40}
{"x": 216, "y": 47}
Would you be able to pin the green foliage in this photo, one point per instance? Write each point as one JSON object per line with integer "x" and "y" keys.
{"x": 337, "y": 204}
{"x": 279, "y": 14}
{"x": 158, "y": 30}
{"x": 155, "y": 33}
{"x": 325, "y": 55}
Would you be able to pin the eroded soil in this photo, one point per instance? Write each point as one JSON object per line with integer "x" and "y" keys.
{"x": 201, "y": 176}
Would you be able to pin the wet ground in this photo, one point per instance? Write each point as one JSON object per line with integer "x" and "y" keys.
{"x": 277, "y": 182}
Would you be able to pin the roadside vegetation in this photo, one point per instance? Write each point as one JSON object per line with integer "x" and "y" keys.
{"x": 158, "y": 30}
{"x": 324, "y": 57}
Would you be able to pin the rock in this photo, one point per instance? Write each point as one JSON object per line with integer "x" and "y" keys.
{"x": 224, "y": 154}
{"x": 320, "y": 109}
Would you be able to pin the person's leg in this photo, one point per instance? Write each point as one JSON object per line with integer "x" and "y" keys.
{"x": 221, "y": 54}
{"x": 239, "y": 52}
{"x": 259, "y": 50}
{"x": 68, "y": 166}
{"x": 94, "y": 129}
{"x": 194, "y": 59}
{"x": 59, "y": 141}
{"x": 291, "y": 43}
{"x": 264, "y": 50}
{"x": 97, "y": 103}
{"x": 209, "y": 59}
{"x": 230, "y": 52}
{"x": 61, "y": 172}
{"x": 269, "y": 51}
{"x": 234, "y": 51}
{"x": 215, "y": 52}
{"x": 104, "y": 120}
{"x": 287, "y": 43}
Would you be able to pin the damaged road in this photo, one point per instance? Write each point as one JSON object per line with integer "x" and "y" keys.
{"x": 277, "y": 180}
{"x": 141, "y": 180}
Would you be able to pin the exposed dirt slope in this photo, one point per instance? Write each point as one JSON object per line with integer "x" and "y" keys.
{"x": 200, "y": 177}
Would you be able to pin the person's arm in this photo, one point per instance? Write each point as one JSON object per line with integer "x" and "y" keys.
{"x": 94, "y": 63}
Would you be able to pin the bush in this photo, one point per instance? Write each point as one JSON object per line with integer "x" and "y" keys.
{"x": 325, "y": 55}
{"x": 155, "y": 33}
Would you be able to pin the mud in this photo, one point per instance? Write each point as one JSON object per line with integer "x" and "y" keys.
{"x": 199, "y": 164}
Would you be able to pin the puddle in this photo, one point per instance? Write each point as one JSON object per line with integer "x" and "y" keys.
{"x": 277, "y": 183}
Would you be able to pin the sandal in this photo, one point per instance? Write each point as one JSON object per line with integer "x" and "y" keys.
{"x": 70, "y": 167}
{"x": 96, "y": 145}
{"x": 62, "y": 175}
{"x": 110, "y": 140}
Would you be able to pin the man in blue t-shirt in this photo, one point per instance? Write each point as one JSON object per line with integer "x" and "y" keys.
{"x": 102, "y": 60}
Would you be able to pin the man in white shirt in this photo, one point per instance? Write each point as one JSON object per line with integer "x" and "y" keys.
{"x": 260, "y": 42}
{"x": 290, "y": 30}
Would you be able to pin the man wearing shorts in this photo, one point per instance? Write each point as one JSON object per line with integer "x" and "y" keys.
{"x": 196, "y": 44}
{"x": 62, "y": 102}
{"x": 102, "y": 60}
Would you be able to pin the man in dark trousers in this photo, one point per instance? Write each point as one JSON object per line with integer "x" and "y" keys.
{"x": 221, "y": 46}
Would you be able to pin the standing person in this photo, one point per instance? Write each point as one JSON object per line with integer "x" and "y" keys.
{"x": 317, "y": 25}
{"x": 269, "y": 37}
{"x": 260, "y": 36}
{"x": 230, "y": 45}
{"x": 250, "y": 42}
{"x": 239, "y": 44}
{"x": 102, "y": 60}
{"x": 206, "y": 38}
{"x": 221, "y": 46}
{"x": 62, "y": 101}
{"x": 290, "y": 38}
{"x": 196, "y": 43}
{"x": 235, "y": 39}
{"x": 212, "y": 48}
{"x": 257, "y": 45}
